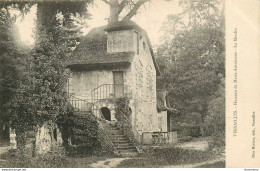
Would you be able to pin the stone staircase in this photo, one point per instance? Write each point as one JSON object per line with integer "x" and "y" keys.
{"x": 121, "y": 142}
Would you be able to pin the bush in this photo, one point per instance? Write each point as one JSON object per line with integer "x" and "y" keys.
{"x": 81, "y": 134}
{"x": 122, "y": 108}
{"x": 56, "y": 158}
{"x": 193, "y": 131}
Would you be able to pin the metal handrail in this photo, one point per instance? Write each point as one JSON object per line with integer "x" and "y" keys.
{"x": 78, "y": 103}
{"x": 105, "y": 91}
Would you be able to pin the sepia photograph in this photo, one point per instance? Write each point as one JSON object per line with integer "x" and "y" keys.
{"x": 112, "y": 84}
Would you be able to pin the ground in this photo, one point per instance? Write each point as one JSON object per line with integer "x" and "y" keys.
{"x": 193, "y": 154}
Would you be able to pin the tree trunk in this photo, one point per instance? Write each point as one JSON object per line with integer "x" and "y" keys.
{"x": 46, "y": 21}
{"x": 114, "y": 11}
{"x": 168, "y": 104}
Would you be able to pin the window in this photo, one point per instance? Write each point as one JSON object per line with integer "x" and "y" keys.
{"x": 144, "y": 45}
{"x": 137, "y": 42}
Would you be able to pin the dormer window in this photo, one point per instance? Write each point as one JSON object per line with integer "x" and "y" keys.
{"x": 144, "y": 45}
{"x": 119, "y": 41}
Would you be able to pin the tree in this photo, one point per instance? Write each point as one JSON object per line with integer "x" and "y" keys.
{"x": 13, "y": 58}
{"x": 40, "y": 95}
{"x": 215, "y": 120}
{"x": 192, "y": 58}
{"x": 117, "y": 6}
{"x": 49, "y": 22}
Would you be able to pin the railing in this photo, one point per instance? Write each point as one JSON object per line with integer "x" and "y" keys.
{"x": 110, "y": 91}
{"x": 159, "y": 137}
{"x": 80, "y": 104}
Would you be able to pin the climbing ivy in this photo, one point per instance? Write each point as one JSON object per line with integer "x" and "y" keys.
{"x": 123, "y": 116}
{"x": 81, "y": 134}
{"x": 122, "y": 108}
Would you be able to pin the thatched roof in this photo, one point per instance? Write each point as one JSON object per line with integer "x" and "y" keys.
{"x": 92, "y": 49}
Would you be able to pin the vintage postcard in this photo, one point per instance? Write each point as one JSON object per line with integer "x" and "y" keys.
{"x": 129, "y": 84}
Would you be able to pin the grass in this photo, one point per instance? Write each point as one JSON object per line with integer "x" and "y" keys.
{"x": 168, "y": 156}
{"x": 49, "y": 160}
{"x": 220, "y": 164}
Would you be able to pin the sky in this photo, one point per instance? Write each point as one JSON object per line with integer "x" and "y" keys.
{"x": 149, "y": 18}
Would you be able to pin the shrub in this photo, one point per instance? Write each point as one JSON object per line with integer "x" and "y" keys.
{"x": 122, "y": 108}
{"x": 81, "y": 134}
{"x": 55, "y": 158}
{"x": 193, "y": 131}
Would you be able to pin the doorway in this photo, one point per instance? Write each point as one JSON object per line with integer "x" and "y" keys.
{"x": 106, "y": 113}
{"x": 118, "y": 83}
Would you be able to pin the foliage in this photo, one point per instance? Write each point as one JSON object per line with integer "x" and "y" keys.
{"x": 13, "y": 63}
{"x": 168, "y": 156}
{"x": 60, "y": 28}
{"x": 81, "y": 134}
{"x": 36, "y": 87}
{"x": 123, "y": 116}
{"x": 215, "y": 122}
{"x": 122, "y": 108}
{"x": 191, "y": 58}
{"x": 54, "y": 159}
{"x": 43, "y": 96}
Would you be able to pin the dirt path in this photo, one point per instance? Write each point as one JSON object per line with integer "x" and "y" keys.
{"x": 201, "y": 144}
{"x": 109, "y": 163}
{"x": 3, "y": 149}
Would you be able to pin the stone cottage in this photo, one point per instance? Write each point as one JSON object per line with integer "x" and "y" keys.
{"x": 116, "y": 61}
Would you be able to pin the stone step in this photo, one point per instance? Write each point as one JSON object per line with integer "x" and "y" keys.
{"x": 128, "y": 154}
{"x": 114, "y": 138}
{"x": 124, "y": 146}
{"x": 132, "y": 150}
{"x": 120, "y": 142}
{"x": 119, "y": 135}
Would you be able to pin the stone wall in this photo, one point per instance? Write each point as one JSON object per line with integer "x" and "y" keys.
{"x": 145, "y": 116}
{"x": 81, "y": 83}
